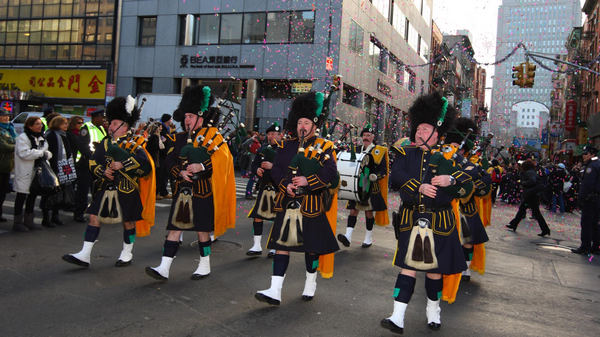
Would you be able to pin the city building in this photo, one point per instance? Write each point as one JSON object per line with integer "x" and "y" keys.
{"x": 56, "y": 53}
{"x": 589, "y": 116}
{"x": 262, "y": 53}
{"x": 541, "y": 26}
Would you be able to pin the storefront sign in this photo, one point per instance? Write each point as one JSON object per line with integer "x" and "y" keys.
{"x": 203, "y": 61}
{"x": 329, "y": 64}
{"x": 570, "y": 113}
{"x": 301, "y": 87}
{"x": 62, "y": 83}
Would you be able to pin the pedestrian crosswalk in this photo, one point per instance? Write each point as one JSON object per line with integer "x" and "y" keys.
{"x": 240, "y": 187}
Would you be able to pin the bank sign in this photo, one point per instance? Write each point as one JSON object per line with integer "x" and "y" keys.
{"x": 60, "y": 83}
{"x": 204, "y": 61}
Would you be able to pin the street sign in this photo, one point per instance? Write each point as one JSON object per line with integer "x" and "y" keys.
{"x": 571, "y": 111}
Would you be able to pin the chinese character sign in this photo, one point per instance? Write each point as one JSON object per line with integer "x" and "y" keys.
{"x": 570, "y": 113}
{"x": 63, "y": 83}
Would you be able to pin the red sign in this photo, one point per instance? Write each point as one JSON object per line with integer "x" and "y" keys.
{"x": 329, "y": 64}
{"x": 570, "y": 113}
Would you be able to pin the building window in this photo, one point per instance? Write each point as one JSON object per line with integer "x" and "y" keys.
{"x": 302, "y": 27}
{"x": 231, "y": 28}
{"x": 143, "y": 85}
{"x": 356, "y": 38}
{"x": 413, "y": 37}
{"x": 383, "y": 61}
{"x": 278, "y": 27}
{"x": 383, "y": 6}
{"x": 351, "y": 96}
{"x": 276, "y": 89}
{"x": 207, "y": 29}
{"x": 254, "y": 28}
{"x": 398, "y": 74}
{"x": 399, "y": 20}
{"x": 412, "y": 79}
{"x": 147, "y": 31}
{"x": 374, "y": 55}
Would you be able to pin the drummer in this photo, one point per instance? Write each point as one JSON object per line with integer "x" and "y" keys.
{"x": 376, "y": 199}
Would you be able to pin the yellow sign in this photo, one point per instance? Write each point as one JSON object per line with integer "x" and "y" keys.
{"x": 63, "y": 83}
{"x": 301, "y": 87}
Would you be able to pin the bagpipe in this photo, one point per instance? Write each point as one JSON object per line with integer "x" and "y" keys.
{"x": 123, "y": 150}
{"x": 199, "y": 148}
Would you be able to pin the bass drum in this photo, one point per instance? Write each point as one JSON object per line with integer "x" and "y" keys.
{"x": 350, "y": 175}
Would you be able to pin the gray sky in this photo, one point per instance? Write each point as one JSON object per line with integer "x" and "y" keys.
{"x": 480, "y": 18}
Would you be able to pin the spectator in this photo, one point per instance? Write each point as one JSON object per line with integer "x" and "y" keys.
{"x": 168, "y": 140}
{"x": 496, "y": 172}
{"x": 30, "y": 146}
{"x": 7, "y": 155}
{"x": 530, "y": 198}
{"x": 63, "y": 164}
{"x": 557, "y": 179}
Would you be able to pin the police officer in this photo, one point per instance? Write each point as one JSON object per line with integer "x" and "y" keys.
{"x": 90, "y": 134}
{"x": 589, "y": 201}
{"x": 377, "y": 196}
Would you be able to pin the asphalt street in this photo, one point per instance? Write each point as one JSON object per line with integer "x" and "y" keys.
{"x": 532, "y": 286}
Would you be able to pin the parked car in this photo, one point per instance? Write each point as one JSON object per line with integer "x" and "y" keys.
{"x": 19, "y": 120}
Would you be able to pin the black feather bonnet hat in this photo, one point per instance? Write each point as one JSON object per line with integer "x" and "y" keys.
{"x": 460, "y": 130}
{"x": 311, "y": 105}
{"x": 274, "y": 128}
{"x": 199, "y": 101}
{"x": 124, "y": 109}
{"x": 432, "y": 109}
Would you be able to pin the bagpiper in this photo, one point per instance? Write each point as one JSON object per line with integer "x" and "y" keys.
{"x": 473, "y": 235}
{"x": 263, "y": 208}
{"x": 425, "y": 225}
{"x": 202, "y": 201}
{"x": 123, "y": 186}
{"x": 305, "y": 174}
{"x": 376, "y": 190}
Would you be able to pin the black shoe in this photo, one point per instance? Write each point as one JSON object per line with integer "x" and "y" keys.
{"x": 266, "y": 299}
{"x": 343, "y": 239}
{"x": 3, "y": 219}
{"x": 19, "y": 227}
{"x": 120, "y": 263}
{"x": 595, "y": 249}
{"x": 271, "y": 254}
{"x": 48, "y": 223}
{"x": 514, "y": 228}
{"x": 581, "y": 250}
{"x": 72, "y": 259}
{"x": 253, "y": 253}
{"x": 307, "y": 298}
{"x": 388, "y": 324}
{"x": 57, "y": 221}
{"x": 79, "y": 218}
{"x": 466, "y": 278}
{"x": 155, "y": 275}
{"x": 366, "y": 245}
{"x": 434, "y": 326}
{"x": 197, "y": 277}
{"x": 542, "y": 234}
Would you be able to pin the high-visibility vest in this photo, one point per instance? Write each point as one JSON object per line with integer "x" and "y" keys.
{"x": 44, "y": 122}
{"x": 97, "y": 133}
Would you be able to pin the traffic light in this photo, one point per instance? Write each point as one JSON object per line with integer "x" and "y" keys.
{"x": 529, "y": 75}
{"x": 518, "y": 75}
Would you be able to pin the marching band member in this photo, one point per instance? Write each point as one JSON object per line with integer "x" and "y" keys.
{"x": 121, "y": 194}
{"x": 425, "y": 225}
{"x": 265, "y": 200}
{"x": 377, "y": 190}
{"x": 202, "y": 201}
{"x": 473, "y": 232}
{"x": 306, "y": 208}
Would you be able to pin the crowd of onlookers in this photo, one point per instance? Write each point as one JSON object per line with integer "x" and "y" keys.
{"x": 65, "y": 147}
{"x": 559, "y": 183}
